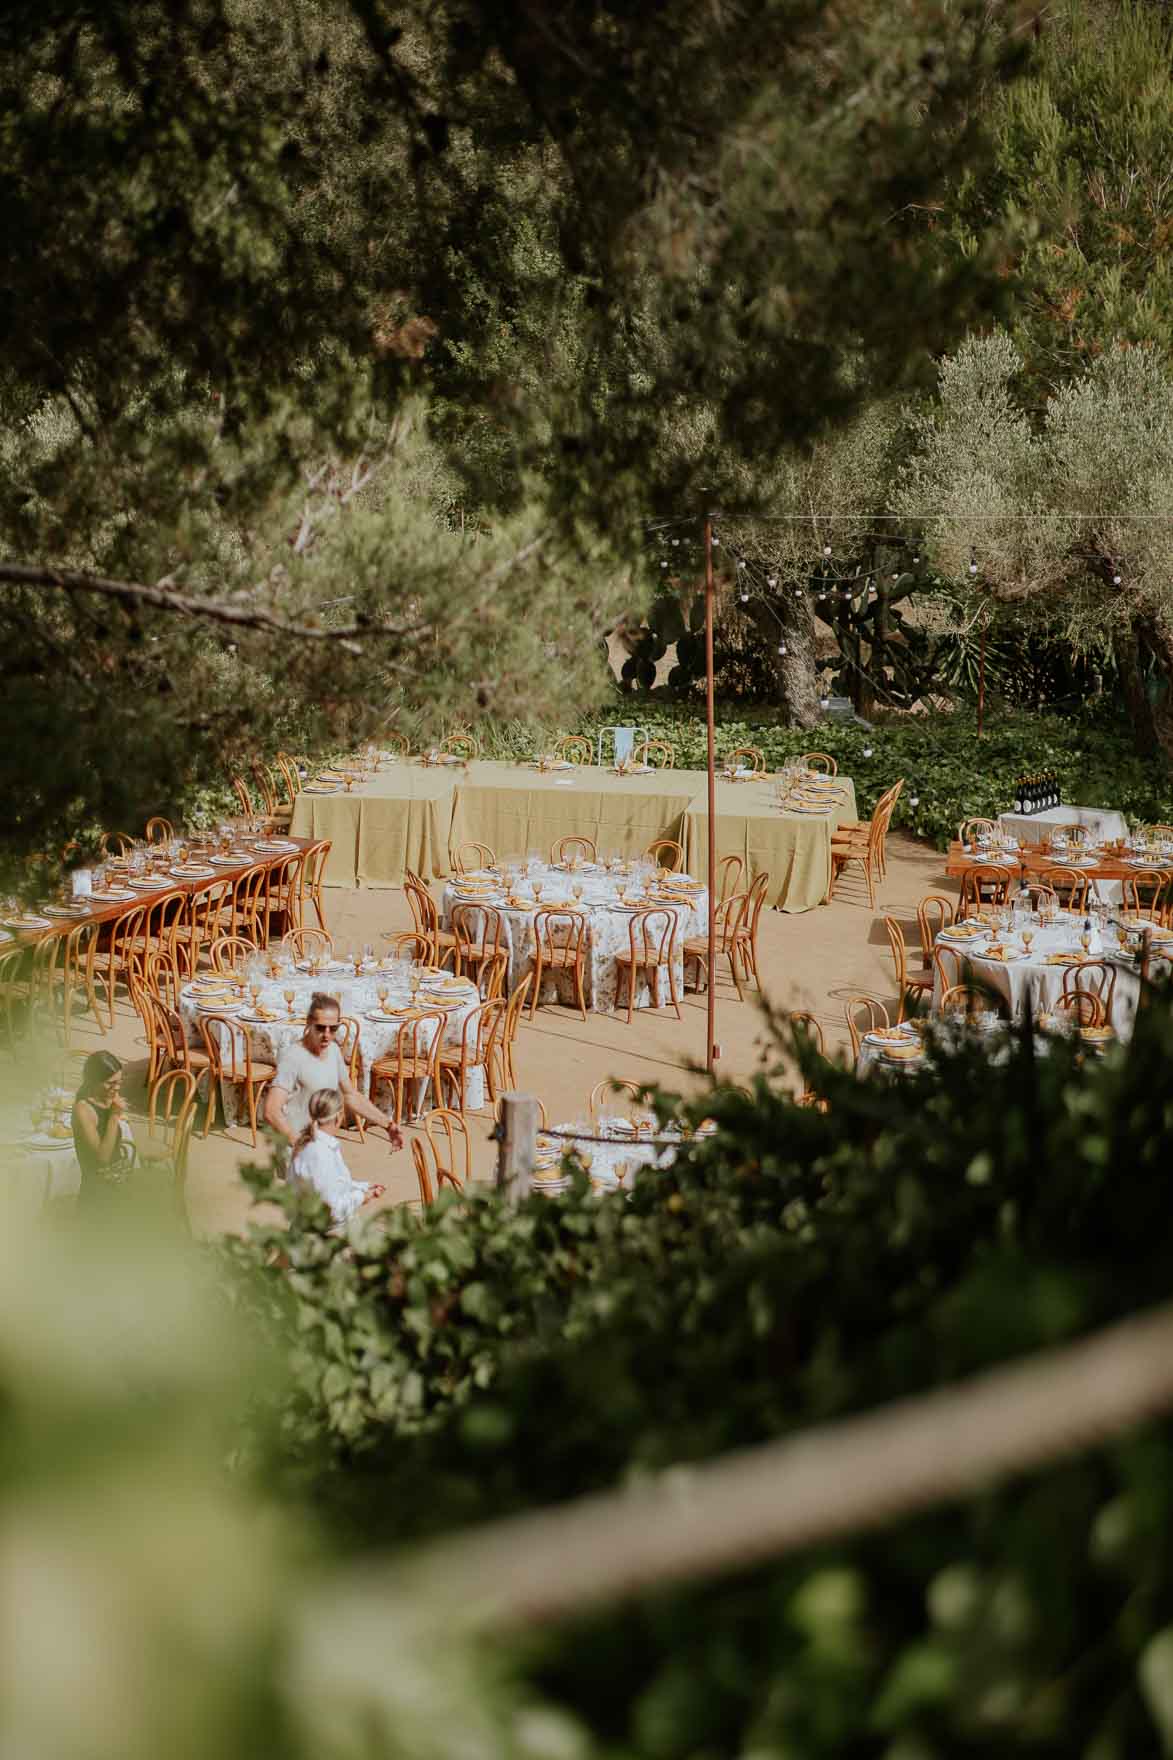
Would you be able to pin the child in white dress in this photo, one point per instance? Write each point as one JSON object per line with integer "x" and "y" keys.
{"x": 318, "y": 1161}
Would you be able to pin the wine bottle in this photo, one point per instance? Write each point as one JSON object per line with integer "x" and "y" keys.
{"x": 1020, "y": 795}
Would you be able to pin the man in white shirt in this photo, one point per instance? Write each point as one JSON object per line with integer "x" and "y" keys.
{"x": 316, "y": 1062}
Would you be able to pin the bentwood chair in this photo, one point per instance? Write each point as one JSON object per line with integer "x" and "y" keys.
{"x": 560, "y": 945}
{"x": 167, "y": 1039}
{"x": 461, "y": 745}
{"x": 950, "y": 966}
{"x": 346, "y": 1039}
{"x": 877, "y": 1018}
{"x": 15, "y": 992}
{"x": 112, "y": 958}
{"x": 502, "y": 1071}
{"x": 445, "y": 1153}
{"x": 729, "y": 920}
{"x": 455, "y": 1064}
{"x": 197, "y": 926}
{"x": 934, "y": 913}
{"x": 658, "y": 753}
{"x": 1083, "y": 1006}
{"x": 804, "y": 1025}
{"x": 412, "y": 945}
{"x": 247, "y": 912}
{"x": 820, "y": 762}
{"x": 229, "y": 951}
{"x": 651, "y": 950}
{"x": 750, "y": 758}
{"x": 159, "y": 830}
{"x": 1145, "y": 893}
{"x": 243, "y": 798}
{"x": 480, "y": 934}
{"x": 970, "y": 998}
{"x": 395, "y": 742}
{"x": 1069, "y": 886}
{"x": 969, "y": 829}
{"x": 730, "y": 870}
{"x": 277, "y": 814}
{"x": 864, "y": 845}
{"x": 1093, "y": 977}
{"x": 988, "y": 885}
{"x": 492, "y": 976}
{"x": 747, "y": 934}
{"x": 666, "y": 853}
{"x": 410, "y": 1065}
{"x": 610, "y": 1089}
{"x": 312, "y": 880}
{"x": 907, "y": 983}
{"x": 575, "y": 749}
{"x": 472, "y": 858}
{"x": 572, "y": 849}
{"x": 230, "y": 1060}
{"x": 311, "y": 944}
{"x": 425, "y": 916}
{"x": 160, "y": 974}
{"x": 121, "y": 844}
{"x": 171, "y": 1103}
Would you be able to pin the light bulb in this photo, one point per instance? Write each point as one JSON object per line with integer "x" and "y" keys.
{"x": 822, "y": 595}
{"x": 676, "y": 541}
{"x": 916, "y": 559}
{"x": 716, "y": 543}
{"x": 867, "y": 751}
{"x": 824, "y": 702}
{"x": 772, "y": 580}
{"x": 914, "y": 800}
{"x": 781, "y": 647}
{"x": 741, "y": 562}
{"x": 973, "y": 568}
{"x": 1115, "y": 580}
{"x": 826, "y": 549}
{"x": 745, "y": 595}
{"x": 663, "y": 565}
{"x": 895, "y": 574}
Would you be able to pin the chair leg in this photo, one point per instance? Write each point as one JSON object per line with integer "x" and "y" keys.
{"x": 736, "y": 974}
{"x": 533, "y": 1001}
{"x": 579, "y": 987}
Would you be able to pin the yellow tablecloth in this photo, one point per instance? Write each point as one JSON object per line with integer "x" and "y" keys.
{"x": 414, "y": 816}
{"x": 397, "y": 820}
{"x": 515, "y": 810}
{"x": 794, "y": 850}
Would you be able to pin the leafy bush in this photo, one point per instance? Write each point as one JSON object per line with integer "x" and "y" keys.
{"x": 475, "y": 1360}
{"x": 949, "y": 772}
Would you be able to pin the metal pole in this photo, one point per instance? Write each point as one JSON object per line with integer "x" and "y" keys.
{"x": 711, "y": 994}
{"x": 981, "y": 680}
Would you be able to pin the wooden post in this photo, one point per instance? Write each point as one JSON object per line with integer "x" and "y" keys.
{"x": 517, "y": 1135}
{"x": 711, "y": 993}
{"x": 981, "y": 680}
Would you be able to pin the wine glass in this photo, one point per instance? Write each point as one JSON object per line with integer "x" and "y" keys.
{"x": 289, "y": 995}
{"x": 382, "y": 994}
{"x": 576, "y": 890}
{"x": 1085, "y": 940}
{"x": 1028, "y": 936}
{"x": 254, "y": 994}
{"x": 537, "y": 890}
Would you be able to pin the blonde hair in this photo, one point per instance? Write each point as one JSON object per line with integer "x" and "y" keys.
{"x": 325, "y": 1103}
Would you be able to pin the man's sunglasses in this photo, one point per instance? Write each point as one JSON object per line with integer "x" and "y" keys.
{"x": 326, "y": 1026}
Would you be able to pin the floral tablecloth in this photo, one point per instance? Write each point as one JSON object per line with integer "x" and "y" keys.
{"x": 358, "y": 998}
{"x": 608, "y": 930}
{"x": 613, "y": 1149}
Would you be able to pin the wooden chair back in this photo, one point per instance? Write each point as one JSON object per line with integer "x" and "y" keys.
{"x": 1070, "y": 886}
{"x": 229, "y": 951}
{"x": 1145, "y": 892}
{"x": 446, "y": 1134}
{"x": 243, "y": 798}
{"x": 396, "y": 742}
{"x": 1084, "y": 1006}
{"x": 651, "y": 937}
{"x": 802, "y": 1021}
{"x": 822, "y": 763}
{"x": 163, "y": 1112}
{"x": 971, "y": 828}
{"x": 313, "y": 869}
{"x": 461, "y": 745}
{"x": 746, "y": 758}
{"x": 480, "y": 933}
{"x": 575, "y": 748}
{"x": 934, "y": 913}
{"x": 877, "y": 1016}
{"x": 730, "y": 870}
{"x": 473, "y": 857}
{"x": 412, "y": 945}
{"x": 576, "y": 849}
{"x": 611, "y": 1089}
{"x": 311, "y": 944}
{"x": 667, "y": 853}
{"x": 658, "y": 753}
{"x": 561, "y": 934}
{"x": 989, "y": 884}
{"x": 1095, "y": 977}
{"x": 159, "y": 830}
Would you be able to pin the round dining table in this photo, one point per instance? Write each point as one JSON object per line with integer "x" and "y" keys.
{"x": 1003, "y": 964}
{"x": 608, "y": 925}
{"x": 275, "y": 1025}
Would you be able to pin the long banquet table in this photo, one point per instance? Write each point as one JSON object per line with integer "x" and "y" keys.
{"x": 412, "y": 815}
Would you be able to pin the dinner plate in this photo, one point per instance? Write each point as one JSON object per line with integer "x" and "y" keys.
{"x": 67, "y": 910}
{"x": 115, "y": 895}
{"x": 334, "y": 788}
{"x": 42, "y": 1140}
{"x": 227, "y": 861}
{"x": 28, "y": 922}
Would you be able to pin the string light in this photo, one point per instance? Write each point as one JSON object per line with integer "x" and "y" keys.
{"x": 824, "y": 702}
{"x": 745, "y": 595}
{"x": 867, "y": 751}
{"x": 826, "y": 549}
{"x": 914, "y": 800}
{"x": 1115, "y": 580}
{"x": 781, "y": 647}
{"x": 972, "y": 563}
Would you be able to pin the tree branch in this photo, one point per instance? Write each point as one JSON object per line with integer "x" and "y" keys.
{"x": 165, "y": 598}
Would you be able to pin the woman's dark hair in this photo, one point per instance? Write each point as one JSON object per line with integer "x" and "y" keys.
{"x": 96, "y": 1072}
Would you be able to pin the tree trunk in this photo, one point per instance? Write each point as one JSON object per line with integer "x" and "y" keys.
{"x": 1132, "y": 687}
{"x": 796, "y": 680}
{"x": 1156, "y": 634}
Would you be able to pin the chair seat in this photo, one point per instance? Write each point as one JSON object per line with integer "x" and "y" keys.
{"x": 625, "y": 959}
{"x": 262, "y": 1072}
{"x": 391, "y": 1066}
{"x": 698, "y": 944}
{"x": 563, "y": 957}
{"x": 912, "y": 981}
{"x": 153, "y": 1149}
{"x": 196, "y": 1060}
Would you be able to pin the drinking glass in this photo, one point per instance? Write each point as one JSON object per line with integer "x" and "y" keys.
{"x": 1085, "y": 940}
{"x": 576, "y": 889}
{"x": 289, "y": 995}
{"x": 382, "y": 993}
{"x": 254, "y": 994}
{"x": 537, "y": 888}
{"x": 1028, "y": 936}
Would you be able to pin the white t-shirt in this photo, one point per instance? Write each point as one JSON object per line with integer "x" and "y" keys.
{"x": 301, "y": 1074}
{"x": 321, "y": 1165}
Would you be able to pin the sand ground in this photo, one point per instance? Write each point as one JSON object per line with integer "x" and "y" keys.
{"x": 812, "y": 961}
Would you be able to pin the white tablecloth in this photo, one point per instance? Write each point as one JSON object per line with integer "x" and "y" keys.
{"x": 1034, "y": 978}
{"x": 1104, "y": 823}
{"x": 357, "y": 997}
{"x": 607, "y": 930}
{"x": 613, "y": 1162}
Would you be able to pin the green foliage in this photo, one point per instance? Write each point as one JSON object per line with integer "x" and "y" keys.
{"x": 953, "y": 773}
{"x": 471, "y": 1361}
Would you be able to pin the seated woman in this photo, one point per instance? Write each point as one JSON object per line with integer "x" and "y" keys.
{"x": 100, "y": 1140}
{"x": 317, "y": 1159}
